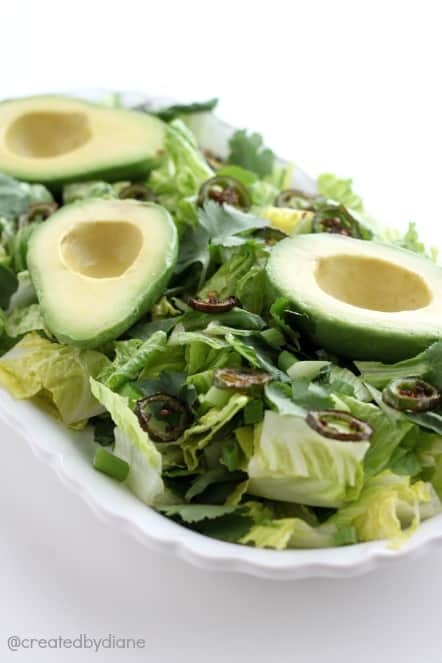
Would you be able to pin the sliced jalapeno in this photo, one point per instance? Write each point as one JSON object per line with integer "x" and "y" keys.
{"x": 37, "y": 212}
{"x": 212, "y": 304}
{"x": 242, "y": 379}
{"x": 411, "y": 394}
{"x": 163, "y": 416}
{"x": 296, "y": 199}
{"x": 137, "y": 191}
{"x": 214, "y": 161}
{"x": 336, "y": 219}
{"x": 271, "y": 236}
{"x": 225, "y": 189}
{"x": 339, "y": 425}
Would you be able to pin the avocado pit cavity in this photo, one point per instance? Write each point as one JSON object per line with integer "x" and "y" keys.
{"x": 39, "y": 135}
{"x": 101, "y": 249}
{"x": 371, "y": 283}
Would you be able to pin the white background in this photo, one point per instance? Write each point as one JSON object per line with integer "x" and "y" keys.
{"x": 352, "y": 87}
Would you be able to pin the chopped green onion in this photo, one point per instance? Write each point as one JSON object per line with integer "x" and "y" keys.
{"x": 285, "y": 360}
{"x": 115, "y": 467}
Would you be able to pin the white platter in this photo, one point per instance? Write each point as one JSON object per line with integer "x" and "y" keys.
{"x": 70, "y": 455}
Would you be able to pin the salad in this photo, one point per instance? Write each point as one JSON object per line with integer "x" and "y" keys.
{"x": 227, "y": 387}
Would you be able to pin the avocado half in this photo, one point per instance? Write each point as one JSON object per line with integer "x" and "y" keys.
{"x": 55, "y": 140}
{"x": 359, "y": 299}
{"x": 97, "y": 266}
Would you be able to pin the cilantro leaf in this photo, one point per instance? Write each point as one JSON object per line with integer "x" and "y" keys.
{"x": 223, "y": 223}
{"x": 216, "y": 225}
{"x": 248, "y": 151}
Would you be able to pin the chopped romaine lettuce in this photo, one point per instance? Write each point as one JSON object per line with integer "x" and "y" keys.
{"x": 58, "y": 375}
{"x": 293, "y": 463}
{"x": 389, "y": 507}
{"x": 133, "y": 445}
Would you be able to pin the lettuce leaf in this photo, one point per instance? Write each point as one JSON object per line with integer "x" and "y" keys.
{"x": 24, "y": 320}
{"x": 57, "y": 374}
{"x": 195, "y": 438}
{"x": 77, "y": 191}
{"x": 340, "y": 190}
{"x": 183, "y": 168}
{"x": 14, "y": 197}
{"x": 389, "y": 507}
{"x": 8, "y": 285}
{"x": 133, "y": 445}
{"x": 387, "y": 434}
{"x": 293, "y": 463}
{"x": 243, "y": 276}
{"x": 427, "y": 365}
{"x": 283, "y": 533}
{"x": 410, "y": 240}
{"x": 132, "y": 357}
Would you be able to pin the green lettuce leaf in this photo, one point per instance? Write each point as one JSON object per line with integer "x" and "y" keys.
{"x": 254, "y": 351}
{"x": 8, "y": 285}
{"x": 14, "y": 197}
{"x": 340, "y": 190}
{"x": 73, "y": 193}
{"x": 283, "y": 533}
{"x": 195, "y": 438}
{"x": 427, "y": 365}
{"x": 237, "y": 317}
{"x": 387, "y": 434}
{"x": 410, "y": 240}
{"x": 18, "y": 247}
{"x": 194, "y": 513}
{"x": 279, "y": 397}
{"x": 183, "y": 168}
{"x": 24, "y": 320}
{"x": 242, "y": 275}
{"x": 25, "y": 293}
{"x": 133, "y": 445}
{"x": 389, "y": 507}
{"x": 57, "y": 374}
{"x": 132, "y": 357}
{"x": 293, "y": 463}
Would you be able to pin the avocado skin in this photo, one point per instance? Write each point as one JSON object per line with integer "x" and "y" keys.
{"x": 356, "y": 343}
{"x": 140, "y": 307}
{"x": 129, "y": 170}
{"x": 350, "y": 340}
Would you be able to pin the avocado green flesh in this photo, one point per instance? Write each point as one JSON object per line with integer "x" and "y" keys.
{"x": 359, "y": 299}
{"x": 57, "y": 140}
{"x": 99, "y": 265}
